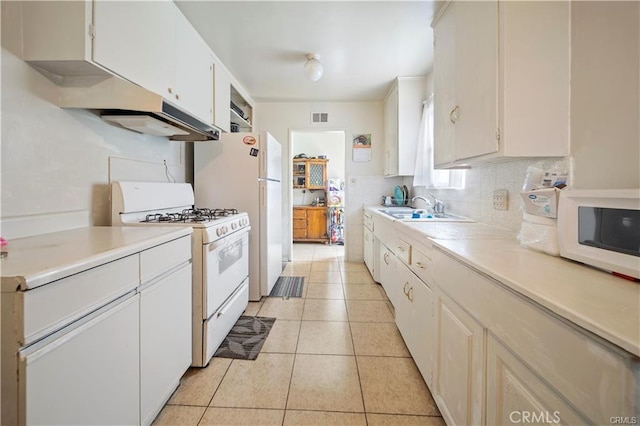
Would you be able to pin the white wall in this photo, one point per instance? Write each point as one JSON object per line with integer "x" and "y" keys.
{"x": 329, "y": 144}
{"x": 364, "y": 181}
{"x": 57, "y": 160}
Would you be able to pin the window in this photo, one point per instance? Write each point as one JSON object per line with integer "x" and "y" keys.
{"x": 425, "y": 175}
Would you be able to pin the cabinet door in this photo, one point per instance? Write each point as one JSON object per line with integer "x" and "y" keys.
{"x": 90, "y": 375}
{"x": 391, "y": 134}
{"x": 194, "y": 71}
{"x": 316, "y": 174}
{"x": 444, "y": 87}
{"x": 165, "y": 339}
{"x": 316, "y": 224}
{"x": 222, "y": 97}
{"x": 415, "y": 320}
{"x": 368, "y": 249}
{"x": 476, "y": 70}
{"x": 516, "y": 395}
{"x": 136, "y": 40}
{"x": 388, "y": 278}
{"x": 459, "y": 364}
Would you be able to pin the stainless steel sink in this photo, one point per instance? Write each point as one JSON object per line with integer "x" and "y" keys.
{"x": 407, "y": 214}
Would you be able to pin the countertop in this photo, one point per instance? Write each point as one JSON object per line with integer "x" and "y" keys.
{"x": 38, "y": 260}
{"x": 605, "y": 305}
{"x": 597, "y": 301}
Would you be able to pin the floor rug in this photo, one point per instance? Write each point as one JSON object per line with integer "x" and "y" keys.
{"x": 288, "y": 287}
{"x": 246, "y": 338}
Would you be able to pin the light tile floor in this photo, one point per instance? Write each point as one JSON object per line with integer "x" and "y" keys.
{"x": 333, "y": 357}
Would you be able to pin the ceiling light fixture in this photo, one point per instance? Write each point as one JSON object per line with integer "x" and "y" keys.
{"x": 313, "y": 68}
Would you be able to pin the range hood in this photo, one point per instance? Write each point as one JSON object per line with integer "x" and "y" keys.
{"x": 130, "y": 106}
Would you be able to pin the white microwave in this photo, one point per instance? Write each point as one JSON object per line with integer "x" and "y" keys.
{"x": 601, "y": 228}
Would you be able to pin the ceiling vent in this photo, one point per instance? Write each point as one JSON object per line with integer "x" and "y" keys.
{"x": 319, "y": 117}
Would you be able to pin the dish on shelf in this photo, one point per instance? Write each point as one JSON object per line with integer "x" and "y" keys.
{"x": 399, "y": 195}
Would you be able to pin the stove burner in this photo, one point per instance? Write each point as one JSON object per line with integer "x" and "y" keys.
{"x": 193, "y": 215}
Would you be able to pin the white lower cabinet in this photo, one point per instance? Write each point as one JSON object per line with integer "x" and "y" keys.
{"x": 516, "y": 395}
{"x": 415, "y": 320}
{"x": 459, "y": 369}
{"x": 106, "y": 344}
{"x": 59, "y": 375}
{"x": 388, "y": 277}
{"x": 368, "y": 250}
{"x": 165, "y": 340}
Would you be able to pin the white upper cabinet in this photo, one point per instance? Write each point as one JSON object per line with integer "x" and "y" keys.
{"x": 501, "y": 81}
{"x": 402, "y": 116}
{"x": 136, "y": 40}
{"x": 194, "y": 71}
{"x": 150, "y": 44}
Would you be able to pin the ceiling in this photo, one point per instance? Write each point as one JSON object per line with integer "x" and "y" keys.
{"x": 363, "y": 45}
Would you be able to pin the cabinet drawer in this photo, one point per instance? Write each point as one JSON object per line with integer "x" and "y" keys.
{"x": 402, "y": 250}
{"x": 368, "y": 222}
{"x": 61, "y": 302}
{"x": 299, "y": 223}
{"x": 159, "y": 259}
{"x": 592, "y": 375}
{"x": 299, "y": 233}
{"x": 421, "y": 265}
{"x": 299, "y": 213}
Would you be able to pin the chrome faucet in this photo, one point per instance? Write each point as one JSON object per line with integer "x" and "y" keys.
{"x": 438, "y": 206}
{"x": 420, "y": 197}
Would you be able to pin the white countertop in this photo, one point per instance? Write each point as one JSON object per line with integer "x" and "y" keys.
{"x": 597, "y": 301}
{"x": 605, "y": 305}
{"x": 34, "y": 261}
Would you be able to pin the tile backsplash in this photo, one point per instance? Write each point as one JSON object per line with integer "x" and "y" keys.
{"x": 476, "y": 199}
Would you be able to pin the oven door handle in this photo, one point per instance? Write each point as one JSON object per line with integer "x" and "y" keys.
{"x": 229, "y": 240}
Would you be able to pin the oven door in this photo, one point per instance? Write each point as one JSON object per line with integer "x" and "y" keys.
{"x": 225, "y": 267}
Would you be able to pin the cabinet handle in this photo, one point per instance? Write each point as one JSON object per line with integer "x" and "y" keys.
{"x": 409, "y": 294}
{"x": 420, "y": 265}
{"x": 453, "y": 115}
{"x": 169, "y": 89}
{"x": 400, "y": 248}
{"x": 386, "y": 255}
{"x": 177, "y": 96}
{"x": 404, "y": 289}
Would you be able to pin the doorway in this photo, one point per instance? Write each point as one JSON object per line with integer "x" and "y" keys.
{"x": 306, "y": 197}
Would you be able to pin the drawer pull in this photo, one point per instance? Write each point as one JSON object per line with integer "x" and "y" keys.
{"x": 404, "y": 289}
{"x": 400, "y": 248}
{"x": 420, "y": 265}
{"x": 386, "y": 255}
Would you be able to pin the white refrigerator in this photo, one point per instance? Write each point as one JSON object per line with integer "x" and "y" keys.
{"x": 243, "y": 171}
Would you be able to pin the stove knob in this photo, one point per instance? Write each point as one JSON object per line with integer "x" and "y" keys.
{"x": 219, "y": 232}
{"x": 225, "y": 229}
{"x": 234, "y": 225}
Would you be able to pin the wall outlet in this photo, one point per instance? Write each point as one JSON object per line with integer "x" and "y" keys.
{"x": 500, "y": 199}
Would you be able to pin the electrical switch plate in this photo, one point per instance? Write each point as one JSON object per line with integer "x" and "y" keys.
{"x": 500, "y": 199}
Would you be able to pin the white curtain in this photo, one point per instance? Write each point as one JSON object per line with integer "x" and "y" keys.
{"x": 423, "y": 173}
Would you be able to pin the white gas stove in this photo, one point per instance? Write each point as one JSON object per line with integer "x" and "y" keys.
{"x": 220, "y": 248}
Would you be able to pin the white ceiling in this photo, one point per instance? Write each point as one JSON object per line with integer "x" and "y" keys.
{"x": 363, "y": 45}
